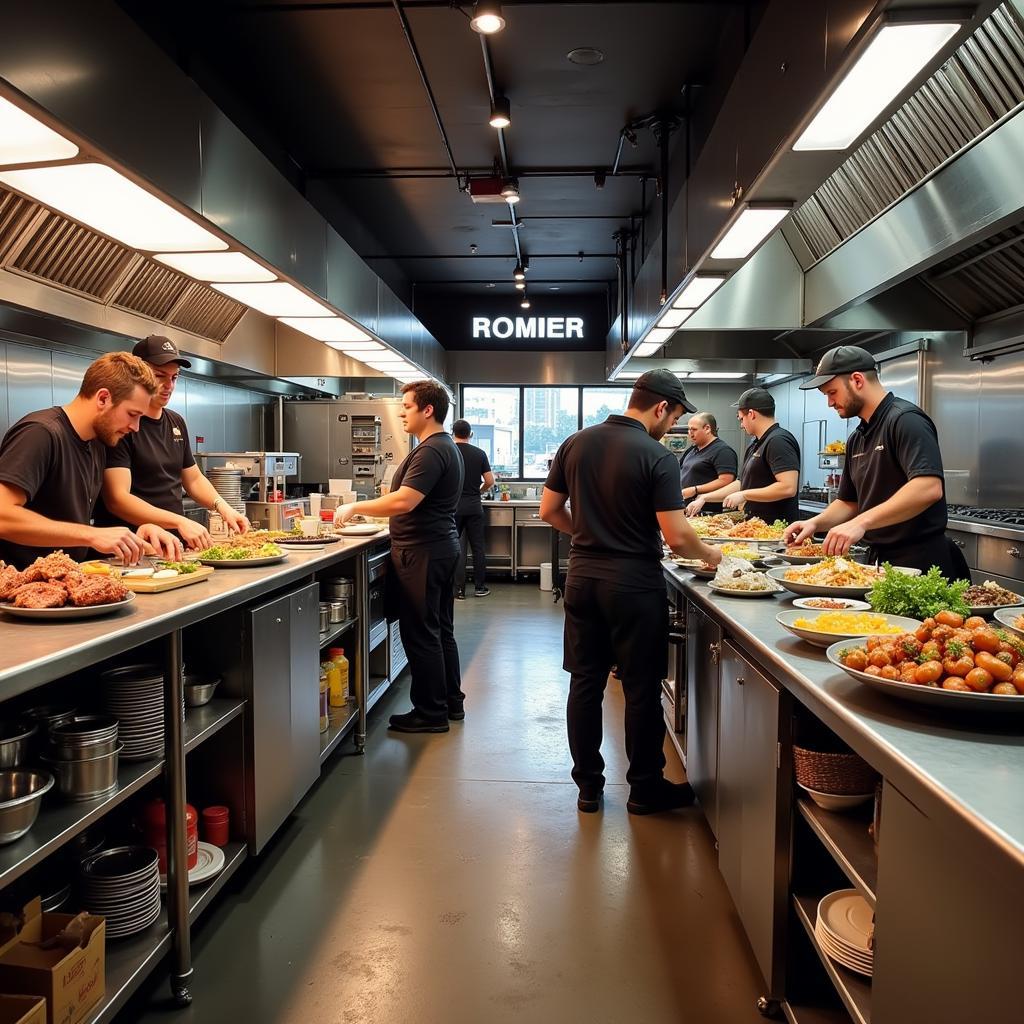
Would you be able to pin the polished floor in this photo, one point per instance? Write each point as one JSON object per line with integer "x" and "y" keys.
{"x": 449, "y": 879}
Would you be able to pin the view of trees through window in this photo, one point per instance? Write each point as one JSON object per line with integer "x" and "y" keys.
{"x": 521, "y": 428}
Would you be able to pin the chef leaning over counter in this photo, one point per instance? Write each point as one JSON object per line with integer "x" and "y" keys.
{"x": 892, "y": 492}
{"x": 52, "y": 463}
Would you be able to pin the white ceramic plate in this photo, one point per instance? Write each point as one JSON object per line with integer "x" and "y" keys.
{"x": 243, "y": 563}
{"x": 71, "y": 611}
{"x": 740, "y": 593}
{"x": 1008, "y": 616}
{"x": 850, "y": 604}
{"x": 308, "y": 543}
{"x": 836, "y": 801}
{"x": 818, "y": 590}
{"x": 209, "y": 865}
{"x": 787, "y": 619}
{"x": 359, "y": 529}
{"x": 846, "y": 916}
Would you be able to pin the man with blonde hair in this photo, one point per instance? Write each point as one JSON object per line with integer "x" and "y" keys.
{"x": 51, "y": 469}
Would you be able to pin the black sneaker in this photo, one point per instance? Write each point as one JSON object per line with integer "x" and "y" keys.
{"x": 589, "y": 804}
{"x": 460, "y": 593}
{"x": 482, "y": 591}
{"x": 665, "y": 796}
{"x": 456, "y": 712}
{"x": 413, "y": 721}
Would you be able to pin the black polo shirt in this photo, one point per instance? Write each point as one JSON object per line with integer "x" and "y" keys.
{"x": 702, "y": 465}
{"x": 434, "y": 468}
{"x": 156, "y": 456}
{"x": 776, "y": 451}
{"x": 43, "y": 456}
{"x": 617, "y": 478}
{"x": 897, "y": 444}
{"x": 474, "y": 463}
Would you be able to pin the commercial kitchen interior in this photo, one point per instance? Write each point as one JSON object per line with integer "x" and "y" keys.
{"x": 724, "y": 189}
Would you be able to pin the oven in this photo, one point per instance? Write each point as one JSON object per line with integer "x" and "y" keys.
{"x": 673, "y": 687}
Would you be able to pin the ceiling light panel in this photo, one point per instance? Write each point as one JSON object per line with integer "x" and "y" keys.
{"x": 717, "y": 376}
{"x": 748, "y": 231}
{"x": 487, "y": 18}
{"x": 893, "y": 58}
{"x": 647, "y": 348}
{"x": 276, "y": 299}
{"x": 659, "y": 335}
{"x": 332, "y": 328}
{"x": 674, "y": 318}
{"x": 107, "y": 201}
{"x": 358, "y": 350}
{"x": 698, "y": 291}
{"x": 25, "y": 140}
{"x": 217, "y": 266}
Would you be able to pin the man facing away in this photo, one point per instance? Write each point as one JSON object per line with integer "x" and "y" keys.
{"x": 624, "y": 493}
{"x": 469, "y": 516}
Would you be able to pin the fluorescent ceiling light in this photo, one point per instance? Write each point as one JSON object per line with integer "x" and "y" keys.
{"x": 717, "y": 376}
{"x": 332, "y": 328}
{"x": 683, "y": 374}
{"x": 217, "y": 266}
{"x": 673, "y": 318}
{"x": 26, "y": 140}
{"x": 102, "y": 199}
{"x": 893, "y": 58}
{"x": 647, "y": 348}
{"x": 698, "y": 291}
{"x": 772, "y": 378}
{"x": 659, "y": 334}
{"x": 628, "y": 375}
{"x": 276, "y": 299}
{"x": 748, "y": 231}
{"x": 357, "y": 349}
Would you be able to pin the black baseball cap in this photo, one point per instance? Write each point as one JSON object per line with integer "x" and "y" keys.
{"x": 158, "y": 350}
{"x": 840, "y": 360}
{"x": 666, "y": 384}
{"x": 757, "y": 399}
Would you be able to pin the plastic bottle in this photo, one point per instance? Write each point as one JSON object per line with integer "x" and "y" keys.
{"x": 339, "y": 690}
{"x": 333, "y": 671}
{"x": 324, "y": 716}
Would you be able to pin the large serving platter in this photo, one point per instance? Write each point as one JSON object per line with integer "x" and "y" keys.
{"x": 727, "y": 592}
{"x": 1008, "y": 616}
{"x": 89, "y": 611}
{"x": 987, "y": 611}
{"x": 787, "y": 618}
{"x": 818, "y": 590}
{"x": 243, "y": 563}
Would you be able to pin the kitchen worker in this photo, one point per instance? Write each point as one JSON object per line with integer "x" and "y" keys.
{"x": 146, "y": 472}
{"x": 52, "y": 463}
{"x": 424, "y": 553}
{"x": 709, "y": 463}
{"x": 892, "y": 492}
{"x": 624, "y": 496}
{"x": 770, "y": 475}
{"x": 469, "y": 516}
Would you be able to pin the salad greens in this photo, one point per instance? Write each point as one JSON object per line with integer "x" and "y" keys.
{"x": 182, "y": 567}
{"x": 228, "y": 553}
{"x": 918, "y": 597}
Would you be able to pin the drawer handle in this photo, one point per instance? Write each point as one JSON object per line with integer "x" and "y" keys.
{"x": 1013, "y": 552}
{"x": 715, "y": 651}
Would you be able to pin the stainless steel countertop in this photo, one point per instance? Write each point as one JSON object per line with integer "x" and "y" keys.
{"x": 967, "y": 766}
{"x": 33, "y": 653}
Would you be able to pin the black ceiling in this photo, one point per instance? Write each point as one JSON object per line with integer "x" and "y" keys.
{"x": 331, "y": 93}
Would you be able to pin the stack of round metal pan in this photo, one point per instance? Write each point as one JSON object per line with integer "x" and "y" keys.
{"x": 83, "y": 754}
{"x": 229, "y": 486}
{"x": 123, "y": 885}
{"x": 134, "y": 694}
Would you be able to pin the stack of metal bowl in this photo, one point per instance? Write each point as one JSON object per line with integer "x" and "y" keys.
{"x": 21, "y": 793}
{"x": 123, "y": 885}
{"x": 83, "y": 754}
{"x": 16, "y": 741}
{"x": 135, "y": 695}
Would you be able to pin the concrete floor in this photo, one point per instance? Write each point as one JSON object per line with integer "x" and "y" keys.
{"x": 451, "y": 879}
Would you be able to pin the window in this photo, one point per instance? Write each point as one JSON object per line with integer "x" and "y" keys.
{"x": 493, "y": 414}
{"x": 550, "y": 415}
{"x": 600, "y": 403}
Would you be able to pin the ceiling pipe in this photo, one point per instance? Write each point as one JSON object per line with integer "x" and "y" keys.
{"x": 377, "y": 5}
{"x": 441, "y": 172}
{"x": 663, "y": 128}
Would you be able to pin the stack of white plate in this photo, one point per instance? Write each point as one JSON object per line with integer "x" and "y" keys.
{"x": 135, "y": 695}
{"x": 844, "y": 930}
{"x": 123, "y": 885}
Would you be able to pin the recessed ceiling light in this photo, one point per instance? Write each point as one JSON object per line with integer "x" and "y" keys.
{"x": 587, "y": 56}
{"x": 647, "y": 348}
{"x": 712, "y": 375}
{"x": 749, "y": 230}
{"x": 275, "y": 299}
{"x": 698, "y": 291}
{"x": 487, "y": 18}
{"x": 216, "y": 266}
{"x": 674, "y": 318}
{"x": 26, "y": 140}
{"x": 501, "y": 112}
{"x": 330, "y": 328}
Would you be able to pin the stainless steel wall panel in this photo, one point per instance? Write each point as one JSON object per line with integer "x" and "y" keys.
{"x": 953, "y": 400}
{"x": 1000, "y": 444}
{"x": 204, "y": 413}
{"x": 29, "y": 381}
{"x": 307, "y": 430}
{"x": 237, "y": 426}
{"x": 68, "y": 371}
{"x": 5, "y": 421}
{"x": 351, "y": 284}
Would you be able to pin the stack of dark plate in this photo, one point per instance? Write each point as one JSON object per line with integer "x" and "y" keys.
{"x": 134, "y": 694}
{"x": 123, "y": 885}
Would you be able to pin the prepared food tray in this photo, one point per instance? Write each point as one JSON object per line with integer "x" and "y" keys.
{"x": 56, "y": 587}
{"x": 1012, "y": 619}
{"x": 236, "y": 553}
{"x": 737, "y": 578}
{"x": 161, "y": 576}
{"x": 985, "y": 598}
{"x": 839, "y": 577}
{"x": 826, "y": 627}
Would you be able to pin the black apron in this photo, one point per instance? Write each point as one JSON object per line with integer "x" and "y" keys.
{"x": 923, "y": 554}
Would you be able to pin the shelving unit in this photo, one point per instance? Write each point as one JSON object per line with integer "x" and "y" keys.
{"x": 845, "y": 837}
{"x": 376, "y": 689}
{"x": 337, "y": 731}
{"x": 206, "y": 721}
{"x": 810, "y": 1014}
{"x": 335, "y": 631}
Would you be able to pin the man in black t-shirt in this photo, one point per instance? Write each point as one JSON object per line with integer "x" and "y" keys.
{"x": 770, "y": 475}
{"x": 709, "y": 463}
{"x": 146, "y": 472}
{"x": 424, "y": 552}
{"x": 51, "y": 469}
{"x": 892, "y": 491}
{"x": 624, "y": 494}
{"x": 469, "y": 516}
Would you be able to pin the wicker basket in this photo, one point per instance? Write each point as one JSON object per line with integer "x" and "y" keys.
{"x": 840, "y": 774}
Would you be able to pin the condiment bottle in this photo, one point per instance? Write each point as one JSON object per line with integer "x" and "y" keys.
{"x": 324, "y": 717}
{"x": 339, "y": 682}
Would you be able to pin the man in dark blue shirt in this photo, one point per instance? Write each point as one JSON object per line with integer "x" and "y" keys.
{"x": 469, "y": 516}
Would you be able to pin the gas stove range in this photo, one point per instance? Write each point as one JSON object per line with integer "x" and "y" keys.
{"x": 1003, "y": 516}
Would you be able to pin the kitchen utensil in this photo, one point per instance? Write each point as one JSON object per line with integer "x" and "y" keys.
{"x": 836, "y": 801}
{"x": 84, "y": 736}
{"x": 199, "y": 690}
{"x": 339, "y": 610}
{"x": 15, "y": 740}
{"x": 134, "y": 694}
{"x": 86, "y": 778}
{"x": 787, "y": 619}
{"x": 336, "y": 590}
{"x": 123, "y": 885}
{"x": 325, "y": 617}
{"x": 210, "y": 863}
{"x": 21, "y": 793}
{"x": 49, "y": 715}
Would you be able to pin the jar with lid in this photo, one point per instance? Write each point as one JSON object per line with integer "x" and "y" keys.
{"x": 338, "y": 677}
{"x": 154, "y": 827}
{"x": 325, "y": 720}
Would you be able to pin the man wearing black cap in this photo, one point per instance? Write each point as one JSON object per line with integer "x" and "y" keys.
{"x": 624, "y": 493}
{"x": 892, "y": 492}
{"x": 146, "y": 472}
{"x": 770, "y": 476}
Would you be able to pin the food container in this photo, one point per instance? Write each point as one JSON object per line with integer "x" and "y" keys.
{"x": 337, "y": 590}
{"x": 325, "y": 616}
{"x": 216, "y": 825}
{"x": 339, "y": 610}
{"x": 86, "y": 778}
{"x": 154, "y": 827}
{"x": 199, "y": 690}
{"x": 15, "y": 740}
{"x": 49, "y": 715}
{"x": 21, "y": 793}
{"x": 84, "y": 736}
{"x": 843, "y": 774}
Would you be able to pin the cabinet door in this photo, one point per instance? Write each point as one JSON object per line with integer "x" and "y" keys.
{"x": 703, "y": 644}
{"x": 732, "y": 778}
{"x": 304, "y": 648}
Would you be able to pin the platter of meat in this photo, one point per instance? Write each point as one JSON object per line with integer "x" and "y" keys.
{"x": 54, "y": 587}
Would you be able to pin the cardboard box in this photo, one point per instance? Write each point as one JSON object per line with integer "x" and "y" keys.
{"x": 22, "y": 1010}
{"x": 71, "y": 981}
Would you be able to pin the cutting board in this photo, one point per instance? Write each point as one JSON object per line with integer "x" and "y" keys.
{"x": 148, "y": 585}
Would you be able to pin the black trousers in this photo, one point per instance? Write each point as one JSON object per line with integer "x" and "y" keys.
{"x": 426, "y": 606}
{"x": 923, "y": 554}
{"x": 471, "y": 525}
{"x": 606, "y": 625}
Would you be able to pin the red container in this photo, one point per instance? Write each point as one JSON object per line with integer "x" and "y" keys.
{"x": 216, "y": 825}
{"x": 327, "y": 515}
{"x": 154, "y": 826}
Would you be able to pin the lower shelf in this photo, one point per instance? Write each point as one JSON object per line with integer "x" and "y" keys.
{"x": 337, "y": 731}
{"x": 130, "y": 961}
{"x": 797, "y": 1013}
{"x": 378, "y": 687}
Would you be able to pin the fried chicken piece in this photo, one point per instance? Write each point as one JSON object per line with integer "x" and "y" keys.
{"x": 40, "y": 595}
{"x": 89, "y": 590}
{"x": 10, "y": 580}
{"x": 51, "y": 567}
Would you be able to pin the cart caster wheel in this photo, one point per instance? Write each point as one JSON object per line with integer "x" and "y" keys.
{"x": 360, "y": 751}
{"x": 183, "y": 997}
{"x": 767, "y": 1007}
